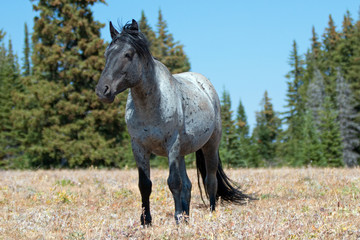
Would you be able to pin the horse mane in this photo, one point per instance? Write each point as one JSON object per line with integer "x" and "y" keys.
{"x": 137, "y": 40}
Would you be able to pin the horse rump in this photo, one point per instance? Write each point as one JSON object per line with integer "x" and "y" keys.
{"x": 227, "y": 190}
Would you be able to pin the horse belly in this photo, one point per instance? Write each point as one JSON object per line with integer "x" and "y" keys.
{"x": 194, "y": 138}
{"x": 199, "y": 125}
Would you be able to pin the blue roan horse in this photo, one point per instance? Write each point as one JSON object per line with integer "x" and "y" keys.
{"x": 167, "y": 115}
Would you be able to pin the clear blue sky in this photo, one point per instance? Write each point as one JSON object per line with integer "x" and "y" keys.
{"x": 242, "y": 46}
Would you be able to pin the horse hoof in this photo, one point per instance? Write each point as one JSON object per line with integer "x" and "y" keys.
{"x": 182, "y": 218}
{"x": 145, "y": 220}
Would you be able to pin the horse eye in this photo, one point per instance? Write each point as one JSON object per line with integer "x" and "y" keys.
{"x": 127, "y": 55}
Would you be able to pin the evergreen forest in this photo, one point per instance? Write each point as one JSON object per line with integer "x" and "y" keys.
{"x": 51, "y": 118}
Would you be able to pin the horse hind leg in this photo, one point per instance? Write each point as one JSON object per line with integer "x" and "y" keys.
{"x": 178, "y": 181}
{"x": 216, "y": 182}
{"x": 211, "y": 182}
{"x": 208, "y": 156}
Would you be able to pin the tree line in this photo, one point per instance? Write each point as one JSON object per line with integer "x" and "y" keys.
{"x": 50, "y": 116}
{"x": 321, "y": 123}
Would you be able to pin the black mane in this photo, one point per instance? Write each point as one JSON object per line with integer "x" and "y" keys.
{"x": 136, "y": 39}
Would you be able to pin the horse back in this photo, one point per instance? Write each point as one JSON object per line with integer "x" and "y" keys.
{"x": 197, "y": 84}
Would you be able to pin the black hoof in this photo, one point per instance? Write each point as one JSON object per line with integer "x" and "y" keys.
{"x": 145, "y": 220}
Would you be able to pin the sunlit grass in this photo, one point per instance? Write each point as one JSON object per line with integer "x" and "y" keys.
{"x": 106, "y": 204}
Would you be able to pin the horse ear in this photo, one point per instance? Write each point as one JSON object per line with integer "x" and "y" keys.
{"x": 134, "y": 25}
{"x": 113, "y": 31}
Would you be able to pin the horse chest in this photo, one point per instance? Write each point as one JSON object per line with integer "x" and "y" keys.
{"x": 150, "y": 129}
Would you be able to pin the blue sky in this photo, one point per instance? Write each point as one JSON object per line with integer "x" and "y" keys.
{"x": 241, "y": 46}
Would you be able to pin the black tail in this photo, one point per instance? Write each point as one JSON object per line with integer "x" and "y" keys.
{"x": 227, "y": 189}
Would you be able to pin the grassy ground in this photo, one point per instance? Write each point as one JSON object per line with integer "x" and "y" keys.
{"x": 105, "y": 204}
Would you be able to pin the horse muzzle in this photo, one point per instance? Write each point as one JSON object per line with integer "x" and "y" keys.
{"x": 104, "y": 94}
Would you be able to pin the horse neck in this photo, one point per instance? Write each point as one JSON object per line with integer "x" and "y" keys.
{"x": 147, "y": 94}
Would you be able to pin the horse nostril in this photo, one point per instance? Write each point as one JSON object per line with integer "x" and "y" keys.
{"x": 107, "y": 91}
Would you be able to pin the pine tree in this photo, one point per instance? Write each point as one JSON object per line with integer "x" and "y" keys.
{"x": 349, "y": 128}
{"x": 266, "y": 132}
{"x": 312, "y": 63}
{"x": 295, "y": 82}
{"x": 167, "y": 51}
{"x": 351, "y": 54}
{"x": 316, "y": 96}
{"x": 330, "y": 134}
{"x": 324, "y": 133}
{"x": 63, "y": 122}
{"x": 146, "y": 29}
{"x": 9, "y": 83}
{"x": 315, "y": 46}
{"x": 346, "y": 48}
{"x": 330, "y": 41}
{"x": 228, "y": 141}
{"x": 351, "y": 49}
{"x": 325, "y": 120}
{"x": 242, "y": 127}
{"x": 348, "y": 53}
{"x": 330, "y": 37}
{"x": 13, "y": 59}
{"x": 243, "y": 143}
{"x": 290, "y": 148}
{"x": 311, "y": 150}
{"x": 4, "y": 101}
{"x": 26, "y": 58}
{"x": 163, "y": 47}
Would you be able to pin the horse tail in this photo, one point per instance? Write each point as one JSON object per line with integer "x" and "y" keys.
{"x": 227, "y": 190}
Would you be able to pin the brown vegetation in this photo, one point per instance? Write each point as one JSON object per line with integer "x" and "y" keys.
{"x": 105, "y": 204}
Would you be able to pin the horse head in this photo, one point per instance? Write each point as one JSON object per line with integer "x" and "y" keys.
{"x": 125, "y": 57}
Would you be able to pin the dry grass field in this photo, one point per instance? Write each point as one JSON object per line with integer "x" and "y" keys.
{"x": 105, "y": 204}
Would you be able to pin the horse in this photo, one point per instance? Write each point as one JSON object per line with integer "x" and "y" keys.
{"x": 167, "y": 115}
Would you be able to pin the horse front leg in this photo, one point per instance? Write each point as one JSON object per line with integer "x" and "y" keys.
{"x": 142, "y": 158}
{"x": 174, "y": 180}
{"x": 186, "y": 189}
